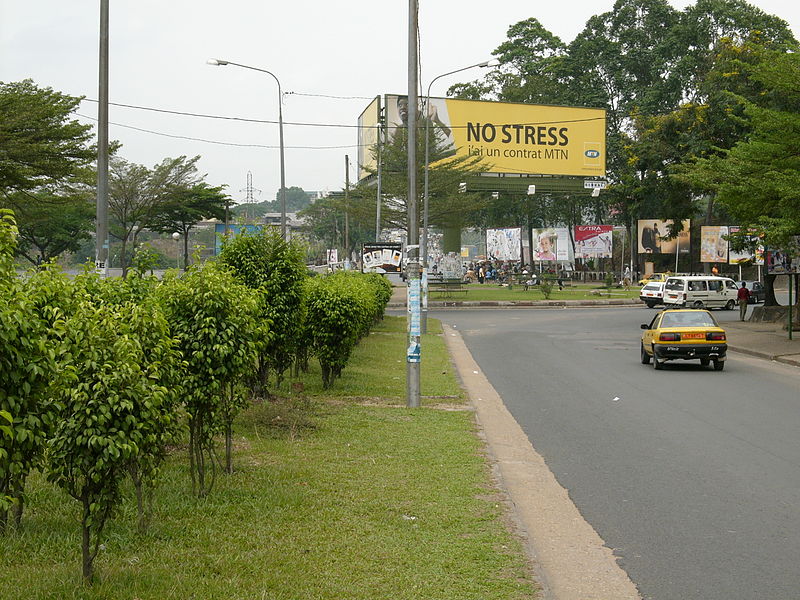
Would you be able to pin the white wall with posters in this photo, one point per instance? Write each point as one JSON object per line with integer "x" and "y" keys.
{"x": 504, "y": 244}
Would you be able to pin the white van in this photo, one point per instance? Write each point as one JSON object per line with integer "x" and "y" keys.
{"x": 699, "y": 291}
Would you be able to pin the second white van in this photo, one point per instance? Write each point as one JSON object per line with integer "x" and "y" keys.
{"x": 699, "y": 291}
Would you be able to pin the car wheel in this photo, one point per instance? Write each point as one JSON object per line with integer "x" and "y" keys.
{"x": 730, "y": 305}
{"x": 719, "y": 365}
{"x": 650, "y": 304}
{"x": 698, "y": 304}
{"x": 657, "y": 364}
{"x": 645, "y": 356}
{"x": 705, "y": 362}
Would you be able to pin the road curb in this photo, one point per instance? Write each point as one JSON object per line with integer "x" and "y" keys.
{"x": 523, "y": 303}
{"x": 787, "y": 359}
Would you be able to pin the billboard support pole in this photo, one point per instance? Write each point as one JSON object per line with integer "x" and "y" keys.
{"x": 379, "y": 191}
{"x": 413, "y": 354}
{"x": 347, "y": 208}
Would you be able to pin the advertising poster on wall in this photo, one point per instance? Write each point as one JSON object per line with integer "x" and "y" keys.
{"x": 504, "y": 244}
{"x": 562, "y": 243}
{"x": 593, "y": 241}
{"x": 232, "y": 231}
{"x": 652, "y": 233}
{"x": 744, "y": 256}
{"x": 381, "y": 257}
{"x": 544, "y": 244}
{"x": 713, "y": 245}
{"x": 784, "y": 262}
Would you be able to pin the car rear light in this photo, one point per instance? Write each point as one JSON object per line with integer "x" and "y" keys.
{"x": 717, "y": 336}
{"x": 669, "y": 337}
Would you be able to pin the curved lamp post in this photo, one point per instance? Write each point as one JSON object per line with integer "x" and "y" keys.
{"x": 221, "y": 63}
{"x": 488, "y": 63}
{"x": 424, "y": 242}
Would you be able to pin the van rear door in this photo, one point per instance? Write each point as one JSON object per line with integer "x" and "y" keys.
{"x": 674, "y": 291}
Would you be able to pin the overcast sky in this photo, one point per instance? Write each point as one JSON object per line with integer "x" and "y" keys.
{"x": 355, "y": 49}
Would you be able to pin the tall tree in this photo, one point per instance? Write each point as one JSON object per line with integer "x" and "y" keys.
{"x": 758, "y": 179}
{"x": 185, "y": 208}
{"x": 52, "y": 223}
{"x": 45, "y": 169}
{"x": 39, "y": 143}
{"x": 137, "y": 194}
{"x": 447, "y": 207}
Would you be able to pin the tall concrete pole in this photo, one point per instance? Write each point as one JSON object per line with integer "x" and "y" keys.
{"x": 346, "y": 209}
{"x": 101, "y": 236}
{"x": 413, "y": 355}
{"x": 379, "y": 191}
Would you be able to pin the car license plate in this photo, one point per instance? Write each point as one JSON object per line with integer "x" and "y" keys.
{"x": 693, "y": 336}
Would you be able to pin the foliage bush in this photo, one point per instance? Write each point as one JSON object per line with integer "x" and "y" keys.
{"x": 341, "y": 309}
{"x": 546, "y": 285}
{"x": 264, "y": 261}
{"x": 113, "y": 404}
{"x": 27, "y": 366}
{"x": 214, "y": 319}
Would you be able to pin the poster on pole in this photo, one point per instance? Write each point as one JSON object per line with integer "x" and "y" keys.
{"x": 713, "y": 244}
{"x": 652, "y": 234}
{"x": 504, "y": 244}
{"x": 744, "y": 256}
{"x": 593, "y": 241}
{"x": 332, "y": 255}
{"x": 381, "y": 257}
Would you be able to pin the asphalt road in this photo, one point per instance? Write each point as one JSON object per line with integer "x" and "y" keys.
{"x": 692, "y": 476}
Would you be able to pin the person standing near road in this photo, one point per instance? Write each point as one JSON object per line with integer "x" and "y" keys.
{"x": 744, "y": 297}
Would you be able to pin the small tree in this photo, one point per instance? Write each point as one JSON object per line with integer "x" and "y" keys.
{"x": 546, "y": 285}
{"x": 113, "y": 400}
{"x": 27, "y": 365}
{"x": 342, "y": 307}
{"x": 266, "y": 262}
{"x": 214, "y": 319}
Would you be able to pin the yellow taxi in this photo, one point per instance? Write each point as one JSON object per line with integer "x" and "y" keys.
{"x": 653, "y": 278}
{"x": 684, "y": 334}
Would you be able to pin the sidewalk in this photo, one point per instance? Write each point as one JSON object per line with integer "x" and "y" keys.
{"x": 764, "y": 340}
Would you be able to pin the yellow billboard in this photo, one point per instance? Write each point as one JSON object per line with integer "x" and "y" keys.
{"x": 368, "y": 136}
{"x": 513, "y": 138}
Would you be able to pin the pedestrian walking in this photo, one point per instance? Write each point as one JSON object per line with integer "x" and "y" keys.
{"x": 744, "y": 297}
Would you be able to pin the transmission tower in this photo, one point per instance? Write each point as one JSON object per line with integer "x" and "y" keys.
{"x": 249, "y": 198}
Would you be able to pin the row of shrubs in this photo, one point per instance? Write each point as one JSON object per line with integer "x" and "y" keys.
{"x": 98, "y": 376}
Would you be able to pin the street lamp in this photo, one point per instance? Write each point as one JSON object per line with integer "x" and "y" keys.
{"x": 177, "y": 236}
{"x": 221, "y": 63}
{"x": 488, "y": 63}
{"x": 424, "y": 317}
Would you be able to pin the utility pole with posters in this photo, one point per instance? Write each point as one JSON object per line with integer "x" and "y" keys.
{"x": 413, "y": 354}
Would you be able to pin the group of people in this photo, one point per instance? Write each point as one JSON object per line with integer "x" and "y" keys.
{"x": 488, "y": 271}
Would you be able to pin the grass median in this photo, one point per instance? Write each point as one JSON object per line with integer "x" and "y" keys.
{"x": 490, "y": 291}
{"x": 346, "y": 495}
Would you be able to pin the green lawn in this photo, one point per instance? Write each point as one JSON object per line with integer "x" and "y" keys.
{"x": 487, "y": 291}
{"x": 346, "y": 495}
